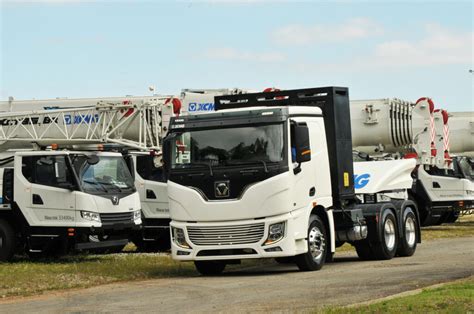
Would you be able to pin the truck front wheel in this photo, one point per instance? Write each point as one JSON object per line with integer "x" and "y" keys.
{"x": 7, "y": 241}
{"x": 210, "y": 268}
{"x": 317, "y": 246}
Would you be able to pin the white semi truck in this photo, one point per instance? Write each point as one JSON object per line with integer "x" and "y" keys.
{"x": 271, "y": 175}
{"x": 60, "y": 190}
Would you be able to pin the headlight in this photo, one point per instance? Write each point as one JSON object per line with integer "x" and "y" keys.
{"x": 179, "y": 239}
{"x": 90, "y": 216}
{"x": 276, "y": 232}
{"x": 137, "y": 214}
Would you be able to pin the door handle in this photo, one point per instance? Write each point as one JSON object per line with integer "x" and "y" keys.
{"x": 37, "y": 200}
{"x": 436, "y": 185}
{"x": 312, "y": 191}
{"x": 150, "y": 194}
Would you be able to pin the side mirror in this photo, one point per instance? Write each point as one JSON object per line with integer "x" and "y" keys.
{"x": 92, "y": 159}
{"x": 301, "y": 142}
{"x": 167, "y": 152}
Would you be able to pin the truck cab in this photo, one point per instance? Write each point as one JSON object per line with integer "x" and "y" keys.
{"x": 59, "y": 200}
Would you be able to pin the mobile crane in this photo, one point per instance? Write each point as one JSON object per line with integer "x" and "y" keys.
{"x": 61, "y": 190}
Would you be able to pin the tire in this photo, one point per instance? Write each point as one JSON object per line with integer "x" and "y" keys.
{"x": 285, "y": 260}
{"x": 7, "y": 241}
{"x": 210, "y": 268}
{"x": 386, "y": 247}
{"x": 364, "y": 250}
{"x": 315, "y": 258}
{"x": 409, "y": 238}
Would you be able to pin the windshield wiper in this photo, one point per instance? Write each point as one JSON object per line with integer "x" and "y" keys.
{"x": 111, "y": 184}
{"x": 211, "y": 173}
{"x": 96, "y": 183}
{"x": 251, "y": 162}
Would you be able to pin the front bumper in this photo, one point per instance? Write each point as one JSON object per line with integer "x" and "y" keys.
{"x": 293, "y": 243}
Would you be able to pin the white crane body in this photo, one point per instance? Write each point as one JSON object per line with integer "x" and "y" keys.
{"x": 72, "y": 195}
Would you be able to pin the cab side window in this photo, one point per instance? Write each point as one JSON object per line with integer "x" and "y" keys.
{"x": 147, "y": 170}
{"x": 47, "y": 170}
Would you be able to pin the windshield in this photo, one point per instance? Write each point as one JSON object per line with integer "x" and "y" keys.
{"x": 226, "y": 146}
{"x": 467, "y": 168}
{"x": 109, "y": 174}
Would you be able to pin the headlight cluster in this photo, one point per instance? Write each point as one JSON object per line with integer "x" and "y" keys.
{"x": 276, "y": 232}
{"x": 90, "y": 216}
{"x": 179, "y": 239}
{"x": 137, "y": 214}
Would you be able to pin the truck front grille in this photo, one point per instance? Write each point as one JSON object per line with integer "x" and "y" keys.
{"x": 226, "y": 235}
{"x": 112, "y": 218}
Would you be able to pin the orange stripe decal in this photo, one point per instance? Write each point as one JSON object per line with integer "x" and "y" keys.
{"x": 306, "y": 152}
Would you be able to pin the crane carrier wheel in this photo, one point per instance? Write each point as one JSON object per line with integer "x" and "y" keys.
{"x": 7, "y": 241}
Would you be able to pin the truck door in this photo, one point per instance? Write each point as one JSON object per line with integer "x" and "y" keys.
{"x": 445, "y": 185}
{"x": 152, "y": 188}
{"x": 49, "y": 191}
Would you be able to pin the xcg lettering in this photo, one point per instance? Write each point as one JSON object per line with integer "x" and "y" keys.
{"x": 361, "y": 180}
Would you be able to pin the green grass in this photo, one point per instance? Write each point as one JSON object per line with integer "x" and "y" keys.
{"x": 456, "y": 297}
{"x": 25, "y": 277}
{"x": 463, "y": 227}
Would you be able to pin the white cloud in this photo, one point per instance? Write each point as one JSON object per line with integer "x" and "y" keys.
{"x": 439, "y": 46}
{"x": 298, "y": 34}
{"x": 231, "y": 54}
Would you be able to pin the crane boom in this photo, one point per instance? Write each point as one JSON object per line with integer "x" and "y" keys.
{"x": 132, "y": 124}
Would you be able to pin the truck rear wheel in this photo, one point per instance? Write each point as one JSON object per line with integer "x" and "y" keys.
{"x": 408, "y": 240}
{"x": 364, "y": 251}
{"x": 210, "y": 268}
{"x": 317, "y": 246}
{"x": 387, "y": 245}
{"x": 7, "y": 241}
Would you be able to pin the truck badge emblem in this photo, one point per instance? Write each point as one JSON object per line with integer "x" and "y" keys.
{"x": 115, "y": 200}
{"x": 221, "y": 189}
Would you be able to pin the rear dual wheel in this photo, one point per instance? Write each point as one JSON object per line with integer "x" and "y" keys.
{"x": 387, "y": 244}
{"x": 408, "y": 242}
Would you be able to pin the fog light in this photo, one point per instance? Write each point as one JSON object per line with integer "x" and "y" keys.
{"x": 274, "y": 249}
{"x": 179, "y": 239}
{"x": 276, "y": 232}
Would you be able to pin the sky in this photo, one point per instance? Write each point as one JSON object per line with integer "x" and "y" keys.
{"x": 76, "y": 48}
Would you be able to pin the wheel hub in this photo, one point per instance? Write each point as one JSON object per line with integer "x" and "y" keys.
{"x": 316, "y": 243}
{"x": 410, "y": 234}
{"x": 389, "y": 234}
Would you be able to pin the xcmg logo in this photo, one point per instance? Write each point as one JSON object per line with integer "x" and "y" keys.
{"x": 85, "y": 119}
{"x": 194, "y": 106}
{"x": 361, "y": 180}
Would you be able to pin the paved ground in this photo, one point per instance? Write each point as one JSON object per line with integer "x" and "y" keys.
{"x": 275, "y": 288}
